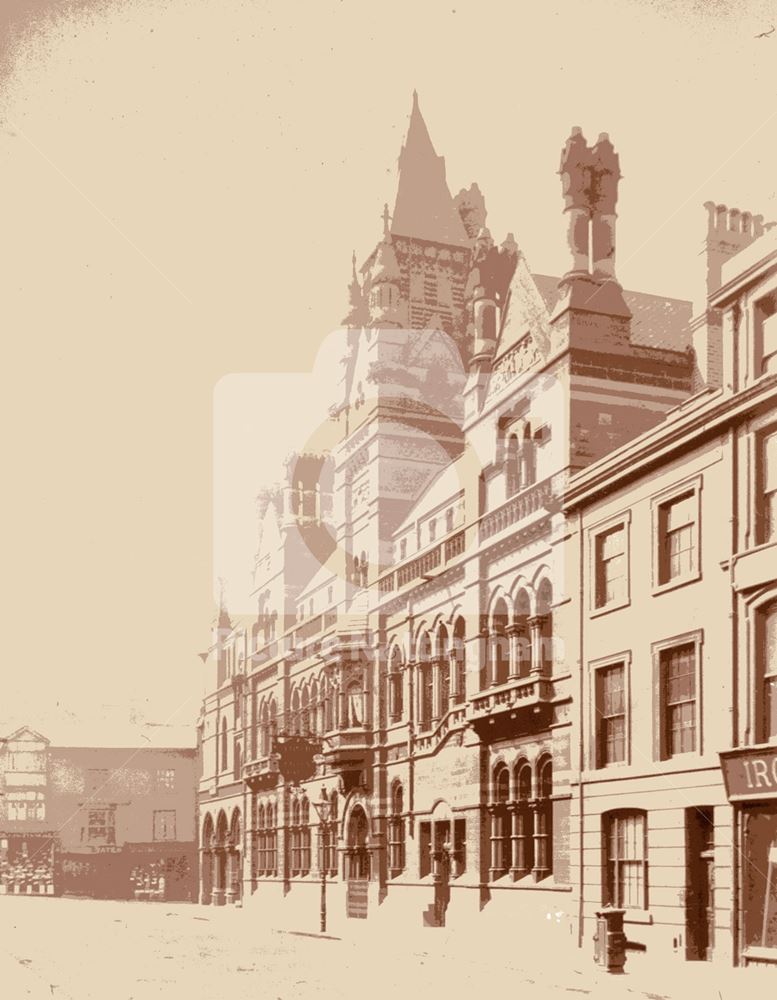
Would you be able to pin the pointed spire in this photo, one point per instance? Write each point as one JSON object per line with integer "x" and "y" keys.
{"x": 424, "y": 207}
{"x": 357, "y": 312}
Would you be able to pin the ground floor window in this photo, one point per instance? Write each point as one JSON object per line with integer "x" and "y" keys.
{"x": 625, "y": 857}
{"x": 759, "y": 877}
{"x": 442, "y": 851}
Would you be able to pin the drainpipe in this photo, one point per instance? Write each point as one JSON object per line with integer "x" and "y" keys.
{"x": 736, "y": 833}
{"x": 580, "y": 714}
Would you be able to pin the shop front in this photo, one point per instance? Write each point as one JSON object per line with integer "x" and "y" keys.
{"x": 751, "y": 785}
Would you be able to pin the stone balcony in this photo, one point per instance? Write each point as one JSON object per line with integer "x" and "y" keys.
{"x": 262, "y": 770}
{"x": 521, "y": 705}
{"x": 347, "y": 749}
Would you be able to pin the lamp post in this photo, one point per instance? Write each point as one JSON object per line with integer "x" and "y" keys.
{"x": 323, "y": 807}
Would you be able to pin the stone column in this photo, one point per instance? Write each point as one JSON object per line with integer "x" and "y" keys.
{"x": 513, "y": 632}
{"x": 453, "y": 693}
{"x": 437, "y": 709}
{"x": 536, "y": 625}
{"x": 493, "y": 652}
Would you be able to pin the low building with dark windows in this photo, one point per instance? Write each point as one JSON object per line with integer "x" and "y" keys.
{"x": 513, "y": 615}
{"x": 111, "y": 822}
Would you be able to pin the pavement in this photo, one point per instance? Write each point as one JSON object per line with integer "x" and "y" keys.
{"x": 69, "y": 949}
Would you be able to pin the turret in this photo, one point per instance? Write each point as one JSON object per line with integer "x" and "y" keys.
{"x": 385, "y": 282}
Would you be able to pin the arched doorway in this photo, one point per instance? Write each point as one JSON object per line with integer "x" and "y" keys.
{"x": 357, "y": 863}
{"x": 234, "y": 885}
{"x": 206, "y": 867}
{"x": 220, "y": 861}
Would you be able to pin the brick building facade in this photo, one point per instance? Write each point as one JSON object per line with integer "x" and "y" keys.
{"x": 97, "y": 821}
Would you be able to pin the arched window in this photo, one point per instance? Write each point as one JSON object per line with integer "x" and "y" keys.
{"x": 425, "y": 682}
{"x": 543, "y": 833}
{"x": 272, "y": 840}
{"x": 395, "y": 685}
{"x": 500, "y": 823}
{"x": 460, "y": 661}
{"x": 237, "y": 758}
{"x": 304, "y": 720}
{"x": 260, "y": 851}
{"x": 624, "y": 833}
{"x": 296, "y": 838}
{"x": 443, "y": 653}
{"x": 523, "y": 633}
{"x": 545, "y": 626}
{"x": 524, "y": 821}
{"x": 500, "y": 648}
{"x": 396, "y": 831}
{"x": 264, "y": 731}
{"x": 223, "y": 763}
{"x": 766, "y": 672}
{"x": 512, "y": 466}
{"x": 354, "y": 705}
{"x": 528, "y": 458}
{"x": 296, "y": 714}
{"x": 305, "y": 837}
{"x": 330, "y": 700}
{"x": 312, "y": 714}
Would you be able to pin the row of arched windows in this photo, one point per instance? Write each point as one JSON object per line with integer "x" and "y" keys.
{"x": 519, "y": 460}
{"x": 299, "y": 839}
{"x": 440, "y": 674}
{"x": 265, "y": 857}
{"x": 521, "y": 811}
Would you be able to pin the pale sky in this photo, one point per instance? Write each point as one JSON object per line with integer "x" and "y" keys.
{"x": 183, "y": 184}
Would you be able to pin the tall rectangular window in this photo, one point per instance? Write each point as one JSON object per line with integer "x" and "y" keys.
{"x": 610, "y": 558}
{"x": 766, "y": 513}
{"x": 610, "y": 715}
{"x": 677, "y": 527}
{"x": 625, "y": 859}
{"x": 765, "y": 316}
{"x": 678, "y": 697}
{"x": 164, "y": 824}
{"x": 101, "y": 826}
{"x": 766, "y": 666}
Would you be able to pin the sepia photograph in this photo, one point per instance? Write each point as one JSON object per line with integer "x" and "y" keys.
{"x": 389, "y": 508}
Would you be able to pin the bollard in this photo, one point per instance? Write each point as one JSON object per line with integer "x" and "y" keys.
{"x": 609, "y": 940}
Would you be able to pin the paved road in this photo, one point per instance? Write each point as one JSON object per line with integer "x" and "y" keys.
{"x": 69, "y": 949}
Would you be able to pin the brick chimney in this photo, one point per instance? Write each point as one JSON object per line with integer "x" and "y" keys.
{"x": 729, "y": 230}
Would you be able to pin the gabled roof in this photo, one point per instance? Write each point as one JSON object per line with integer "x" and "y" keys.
{"x": 26, "y": 733}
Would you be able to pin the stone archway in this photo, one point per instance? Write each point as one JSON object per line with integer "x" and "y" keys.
{"x": 357, "y": 863}
{"x": 218, "y": 894}
{"x": 206, "y": 866}
{"x": 234, "y": 857}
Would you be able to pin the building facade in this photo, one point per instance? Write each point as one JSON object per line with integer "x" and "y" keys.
{"x": 104, "y": 822}
{"x": 677, "y": 651}
{"x": 428, "y": 659}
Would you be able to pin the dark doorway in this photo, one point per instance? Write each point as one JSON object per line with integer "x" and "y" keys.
{"x": 700, "y": 882}
{"x": 357, "y": 861}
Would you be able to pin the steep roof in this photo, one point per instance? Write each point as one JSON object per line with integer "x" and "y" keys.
{"x": 657, "y": 321}
{"x": 424, "y": 208}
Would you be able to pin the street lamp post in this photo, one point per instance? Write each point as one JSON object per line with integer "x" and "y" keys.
{"x": 323, "y": 808}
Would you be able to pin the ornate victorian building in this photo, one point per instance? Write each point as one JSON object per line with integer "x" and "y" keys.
{"x": 415, "y": 657}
